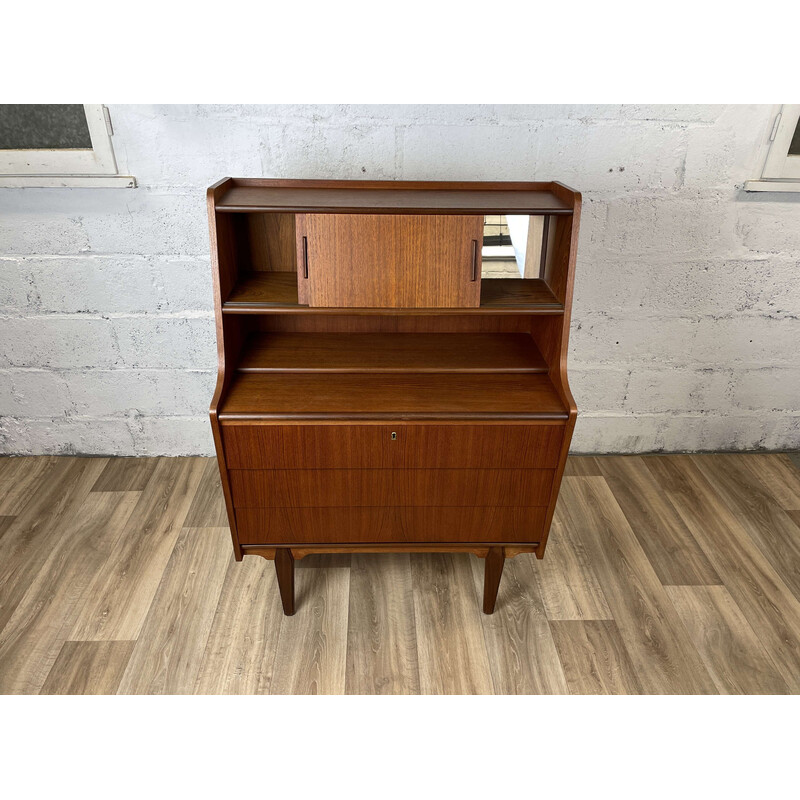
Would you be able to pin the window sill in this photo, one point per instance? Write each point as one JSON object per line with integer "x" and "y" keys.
{"x": 58, "y": 181}
{"x": 772, "y": 186}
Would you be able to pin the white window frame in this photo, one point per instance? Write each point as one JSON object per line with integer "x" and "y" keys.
{"x": 51, "y": 168}
{"x": 781, "y": 172}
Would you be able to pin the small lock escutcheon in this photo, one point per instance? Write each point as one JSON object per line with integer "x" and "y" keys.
{"x": 394, "y": 435}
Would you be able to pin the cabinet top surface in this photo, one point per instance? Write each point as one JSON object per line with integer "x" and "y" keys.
{"x": 391, "y": 197}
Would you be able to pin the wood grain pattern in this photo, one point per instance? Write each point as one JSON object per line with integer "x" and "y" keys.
{"x": 311, "y": 654}
{"x": 390, "y": 261}
{"x": 767, "y": 524}
{"x": 169, "y": 651}
{"x": 268, "y": 242}
{"x": 670, "y": 547}
{"x": 594, "y": 657}
{"x": 656, "y": 640}
{"x": 252, "y": 446}
{"x": 729, "y": 647}
{"x": 21, "y": 479}
{"x": 404, "y": 613}
{"x": 5, "y": 524}
{"x": 300, "y": 488}
{"x": 391, "y": 396}
{"x": 523, "y": 294}
{"x": 121, "y": 593}
{"x": 36, "y": 530}
{"x": 125, "y": 475}
{"x": 567, "y": 579}
{"x": 585, "y": 466}
{"x": 450, "y": 644}
{"x": 41, "y": 622}
{"x": 398, "y": 524}
{"x": 387, "y": 352}
{"x": 208, "y": 506}
{"x": 381, "y": 633}
{"x": 88, "y": 668}
{"x": 777, "y": 473}
{"x": 763, "y": 598}
{"x": 240, "y": 651}
{"x": 440, "y": 197}
{"x": 519, "y": 642}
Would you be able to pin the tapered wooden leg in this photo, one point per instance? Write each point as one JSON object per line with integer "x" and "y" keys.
{"x": 495, "y": 560}
{"x": 284, "y": 567}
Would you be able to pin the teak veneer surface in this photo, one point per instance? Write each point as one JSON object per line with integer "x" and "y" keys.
{"x": 277, "y": 292}
{"x": 362, "y": 199}
{"x": 387, "y": 352}
{"x": 389, "y": 261}
{"x": 392, "y": 396}
{"x": 417, "y": 446}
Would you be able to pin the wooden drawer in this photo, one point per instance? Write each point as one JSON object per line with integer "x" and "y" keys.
{"x": 454, "y": 446}
{"x": 300, "y": 488}
{"x": 389, "y": 524}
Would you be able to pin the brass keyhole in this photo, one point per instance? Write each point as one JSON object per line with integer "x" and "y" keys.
{"x": 394, "y": 435}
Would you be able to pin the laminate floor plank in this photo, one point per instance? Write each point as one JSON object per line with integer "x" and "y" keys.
{"x": 778, "y": 472}
{"x": 123, "y": 589}
{"x": 21, "y": 478}
{"x": 35, "y": 632}
{"x": 651, "y": 630}
{"x": 772, "y": 530}
{"x": 208, "y": 506}
{"x": 381, "y": 633}
{"x": 734, "y": 656}
{"x": 594, "y": 657}
{"x": 240, "y": 651}
{"x": 669, "y": 545}
{"x": 582, "y": 465}
{"x": 519, "y": 643}
{"x": 450, "y": 642}
{"x": 170, "y": 647}
{"x": 5, "y": 524}
{"x": 88, "y": 668}
{"x": 763, "y": 598}
{"x": 37, "y": 528}
{"x": 125, "y": 475}
{"x": 566, "y": 578}
{"x": 324, "y": 561}
{"x": 311, "y": 655}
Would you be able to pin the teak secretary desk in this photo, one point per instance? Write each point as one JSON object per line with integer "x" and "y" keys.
{"x": 374, "y": 392}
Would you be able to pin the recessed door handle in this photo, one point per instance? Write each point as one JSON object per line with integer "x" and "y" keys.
{"x": 474, "y": 259}
{"x": 305, "y": 257}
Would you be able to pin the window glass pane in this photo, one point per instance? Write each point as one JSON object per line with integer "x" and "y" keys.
{"x": 794, "y": 147}
{"x": 44, "y": 127}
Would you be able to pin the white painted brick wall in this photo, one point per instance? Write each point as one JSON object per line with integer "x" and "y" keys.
{"x": 685, "y": 328}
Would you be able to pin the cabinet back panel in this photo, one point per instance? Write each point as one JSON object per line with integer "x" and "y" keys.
{"x": 384, "y": 261}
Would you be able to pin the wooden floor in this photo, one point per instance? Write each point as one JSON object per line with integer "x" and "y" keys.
{"x": 664, "y": 574}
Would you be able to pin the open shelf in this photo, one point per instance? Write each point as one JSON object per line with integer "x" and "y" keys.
{"x": 393, "y": 200}
{"x": 391, "y": 396}
{"x": 276, "y": 292}
{"x": 528, "y": 295}
{"x": 392, "y": 352}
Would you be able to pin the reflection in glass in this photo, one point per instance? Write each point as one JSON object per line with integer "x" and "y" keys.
{"x": 794, "y": 147}
{"x": 511, "y": 246}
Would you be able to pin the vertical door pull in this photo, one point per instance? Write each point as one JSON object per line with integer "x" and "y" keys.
{"x": 474, "y": 259}
{"x": 305, "y": 256}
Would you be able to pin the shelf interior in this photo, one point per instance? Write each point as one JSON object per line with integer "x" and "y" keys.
{"x": 391, "y": 352}
{"x": 409, "y": 395}
{"x": 266, "y": 291}
{"x": 354, "y": 199}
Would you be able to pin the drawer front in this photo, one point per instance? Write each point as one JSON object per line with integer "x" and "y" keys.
{"x": 456, "y": 446}
{"x": 300, "y": 488}
{"x": 269, "y": 526}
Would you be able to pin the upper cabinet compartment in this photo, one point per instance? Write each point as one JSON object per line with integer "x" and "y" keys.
{"x": 389, "y": 261}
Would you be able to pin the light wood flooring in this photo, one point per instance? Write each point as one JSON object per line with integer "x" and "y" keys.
{"x": 664, "y": 574}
